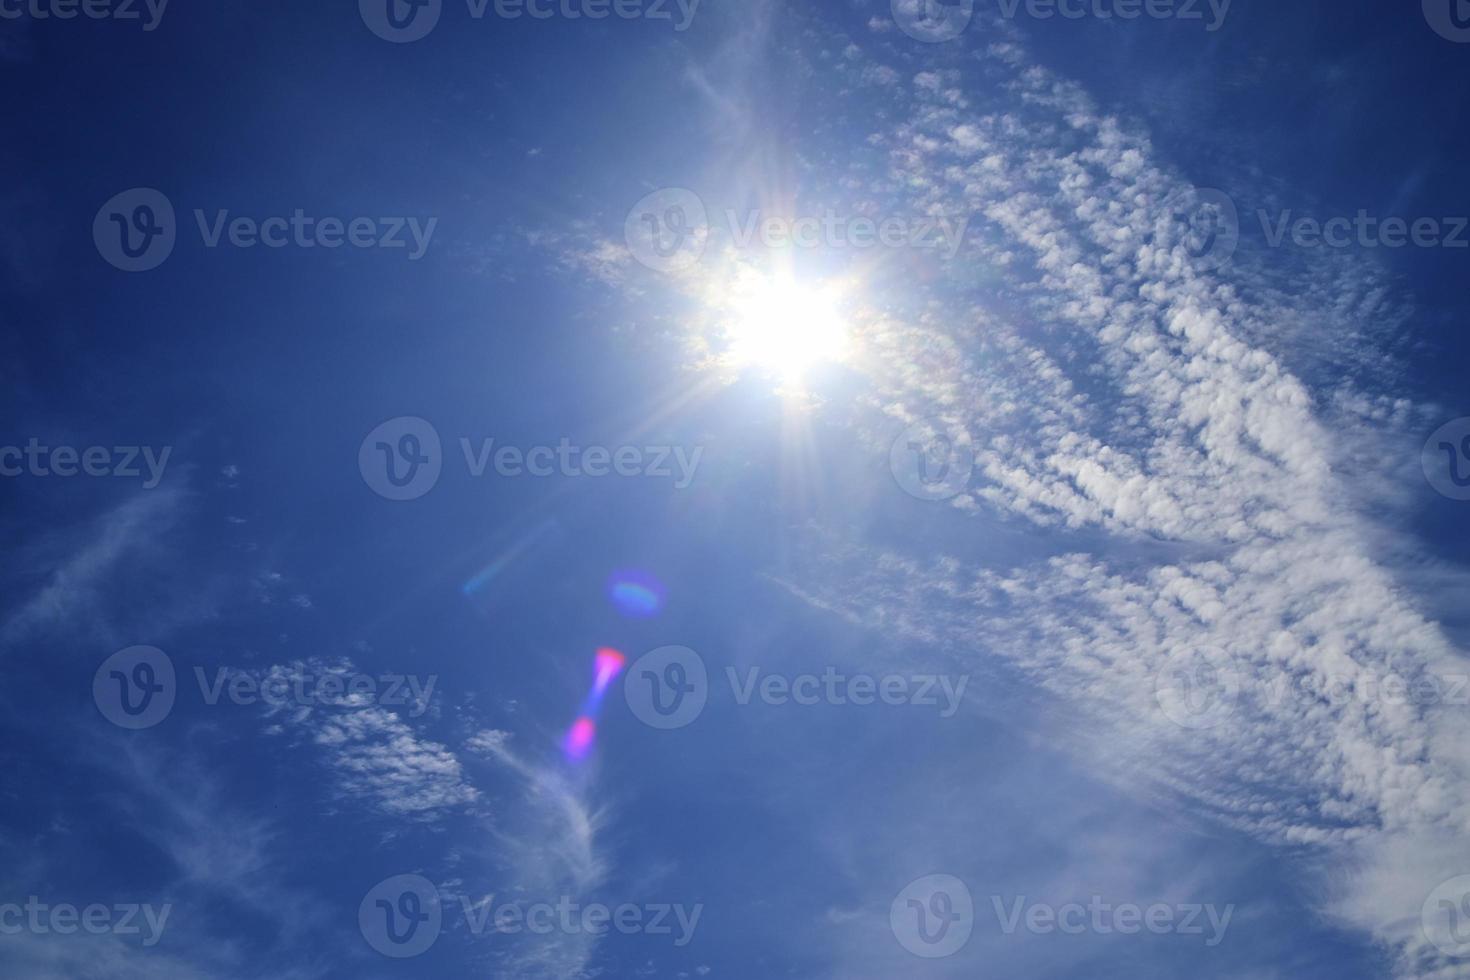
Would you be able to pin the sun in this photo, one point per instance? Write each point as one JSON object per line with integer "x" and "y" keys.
{"x": 785, "y": 327}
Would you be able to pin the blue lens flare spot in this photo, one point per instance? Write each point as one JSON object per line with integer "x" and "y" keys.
{"x": 637, "y": 595}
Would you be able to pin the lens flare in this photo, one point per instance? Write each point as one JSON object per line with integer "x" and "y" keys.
{"x": 637, "y": 595}
{"x": 609, "y": 665}
{"x": 579, "y": 738}
{"x": 577, "y": 744}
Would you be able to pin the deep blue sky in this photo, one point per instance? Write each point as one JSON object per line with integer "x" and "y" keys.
{"x": 1112, "y": 529}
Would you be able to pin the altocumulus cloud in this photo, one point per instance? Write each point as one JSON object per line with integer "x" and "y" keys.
{"x": 1139, "y": 393}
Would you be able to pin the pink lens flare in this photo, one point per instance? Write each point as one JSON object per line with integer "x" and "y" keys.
{"x": 579, "y": 739}
{"x": 610, "y": 664}
{"x": 607, "y": 666}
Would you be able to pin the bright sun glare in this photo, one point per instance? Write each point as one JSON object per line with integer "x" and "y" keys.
{"x": 785, "y": 327}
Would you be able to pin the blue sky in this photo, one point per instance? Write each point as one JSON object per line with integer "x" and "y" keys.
{"x": 1043, "y": 447}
